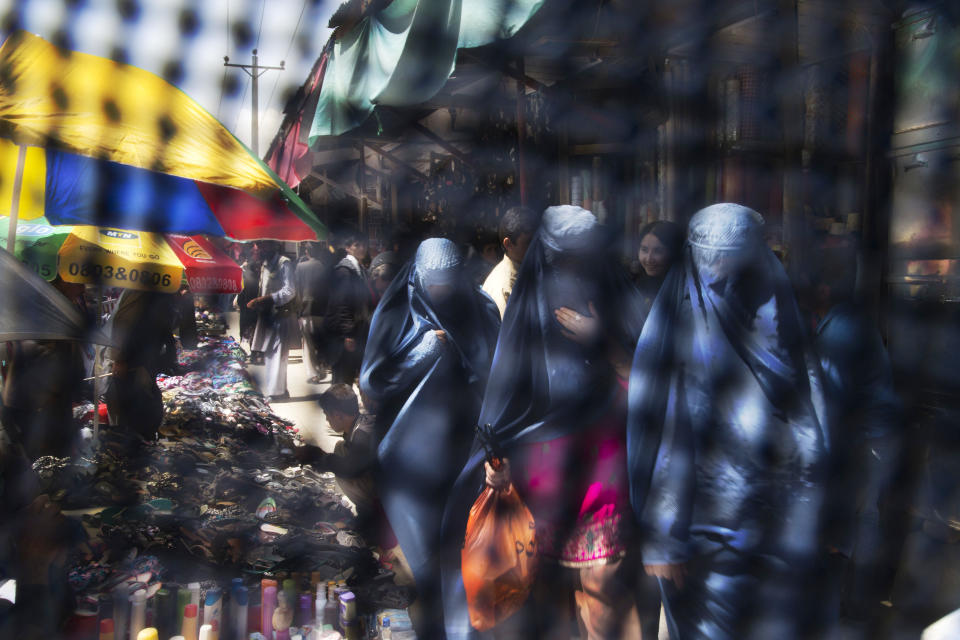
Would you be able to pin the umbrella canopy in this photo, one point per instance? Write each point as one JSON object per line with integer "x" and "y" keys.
{"x": 128, "y": 119}
{"x": 34, "y": 310}
{"x": 125, "y": 259}
{"x": 209, "y": 270}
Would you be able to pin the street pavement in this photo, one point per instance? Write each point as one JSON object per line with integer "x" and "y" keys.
{"x": 301, "y": 407}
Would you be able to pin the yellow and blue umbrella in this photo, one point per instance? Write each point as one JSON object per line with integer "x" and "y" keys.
{"x": 113, "y": 145}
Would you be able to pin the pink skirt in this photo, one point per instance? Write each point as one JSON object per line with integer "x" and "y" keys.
{"x": 576, "y": 488}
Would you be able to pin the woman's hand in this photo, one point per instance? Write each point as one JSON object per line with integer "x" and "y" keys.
{"x": 583, "y": 329}
{"x": 441, "y": 336}
{"x": 673, "y": 572}
{"x": 499, "y": 479}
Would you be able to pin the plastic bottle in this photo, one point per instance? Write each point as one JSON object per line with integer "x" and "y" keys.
{"x": 189, "y": 628}
{"x": 331, "y": 612}
{"x": 267, "y": 606}
{"x": 254, "y": 612}
{"x": 290, "y": 586}
{"x": 348, "y": 609}
{"x": 239, "y": 604}
{"x": 148, "y": 633}
{"x": 194, "y": 589}
{"x": 138, "y": 614}
{"x": 385, "y": 632}
{"x": 105, "y": 608}
{"x": 205, "y": 632}
{"x": 319, "y": 605}
{"x": 304, "y": 611}
{"x": 283, "y": 617}
{"x": 106, "y": 629}
{"x": 183, "y": 599}
{"x": 164, "y": 613}
{"x": 121, "y": 611}
{"x": 267, "y": 582}
{"x": 213, "y": 607}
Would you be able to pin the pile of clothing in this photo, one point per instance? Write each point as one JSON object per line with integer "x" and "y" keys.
{"x": 210, "y": 352}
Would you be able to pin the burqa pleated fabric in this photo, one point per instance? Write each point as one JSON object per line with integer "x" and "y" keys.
{"x": 543, "y": 385}
{"x": 427, "y": 393}
{"x": 727, "y": 436}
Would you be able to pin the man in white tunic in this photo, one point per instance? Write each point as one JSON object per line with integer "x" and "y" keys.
{"x": 276, "y": 332}
{"x": 516, "y": 230}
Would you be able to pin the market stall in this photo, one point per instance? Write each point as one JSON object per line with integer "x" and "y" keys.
{"x": 217, "y": 499}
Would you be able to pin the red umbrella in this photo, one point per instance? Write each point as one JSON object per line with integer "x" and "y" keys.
{"x": 208, "y": 269}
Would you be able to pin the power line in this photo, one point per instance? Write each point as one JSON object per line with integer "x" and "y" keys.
{"x": 236, "y": 126}
{"x": 223, "y": 83}
{"x": 254, "y": 70}
{"x": 296, "y": 31}
{"x": 226, "y": 51}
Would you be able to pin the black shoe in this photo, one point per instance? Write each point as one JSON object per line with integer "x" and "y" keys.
{"x": 283, "y": 396}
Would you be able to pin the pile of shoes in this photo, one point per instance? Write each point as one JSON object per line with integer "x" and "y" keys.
{"x": 210, "y": 321}
{"x": 217, "y": 492}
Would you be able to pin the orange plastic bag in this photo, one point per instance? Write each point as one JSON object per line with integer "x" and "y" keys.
{"x": 499, "y": 557}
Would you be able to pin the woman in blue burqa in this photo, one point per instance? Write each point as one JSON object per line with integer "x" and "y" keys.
{"x": 726, "y": 439}
{"x": 425, "y": 367}
{"x": 556, "y": 404}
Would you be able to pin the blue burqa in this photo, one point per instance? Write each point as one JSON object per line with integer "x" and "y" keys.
{"x": 727, "y": 436}
{"x": 544, "y": 385}
{"x": 427, "y": 393}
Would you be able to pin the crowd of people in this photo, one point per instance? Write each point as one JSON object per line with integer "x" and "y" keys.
{"x": 699, "y": 435}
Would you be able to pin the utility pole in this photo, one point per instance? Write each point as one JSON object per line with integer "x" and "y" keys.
{"x": 254, "y": 70}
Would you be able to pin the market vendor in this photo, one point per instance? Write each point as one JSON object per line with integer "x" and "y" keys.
{"x": 142, "y": 333}
{"x": 353, "y": 458}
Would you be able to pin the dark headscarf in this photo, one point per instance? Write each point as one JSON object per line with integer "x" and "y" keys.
{"x": 727, "y": 427}
{"x": 427, "y": 395}
{"x": 390, "y": 259}
{"x": 407, "y": 312}
{"x": 543, "y": 385}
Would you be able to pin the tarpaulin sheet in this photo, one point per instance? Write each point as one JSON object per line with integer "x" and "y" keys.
{"x": 403, "y": 54}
